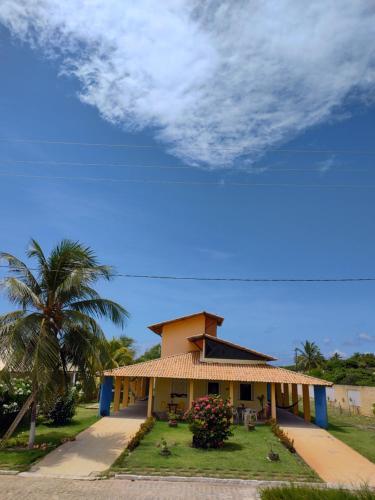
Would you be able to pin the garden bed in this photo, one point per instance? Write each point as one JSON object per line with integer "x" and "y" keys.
{"x": 243, "y": 456}
{"x": 16, "y": 456}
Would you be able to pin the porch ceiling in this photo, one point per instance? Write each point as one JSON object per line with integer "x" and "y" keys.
{"x": 189, "y": 366}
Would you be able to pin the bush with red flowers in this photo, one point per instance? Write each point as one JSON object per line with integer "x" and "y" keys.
{"x": 210, "y": 420}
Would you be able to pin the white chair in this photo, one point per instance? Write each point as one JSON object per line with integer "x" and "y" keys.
{"x": 250, "y": 416}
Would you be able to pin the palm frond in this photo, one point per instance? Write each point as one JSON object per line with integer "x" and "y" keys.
{"x": 20, "y": 293}
{"x": 20, "y": 270}
{"x": 102, "y": 308}
{"x": 35, "y": 251}
{"x": 77, "y": 319}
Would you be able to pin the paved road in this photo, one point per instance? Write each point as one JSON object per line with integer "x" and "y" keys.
{"x": 31, "y": 488}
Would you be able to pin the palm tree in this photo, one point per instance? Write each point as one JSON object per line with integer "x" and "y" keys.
{"x": 309, "y": 356}
{"x": 121, "y": 351}
{"x": 55, "y": 325}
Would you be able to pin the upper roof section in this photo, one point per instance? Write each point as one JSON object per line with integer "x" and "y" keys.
{"x": 158, "y": 327}
{"x": 215, "y": 348}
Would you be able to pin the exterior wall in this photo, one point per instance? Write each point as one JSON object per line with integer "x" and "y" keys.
{"x": 163, "y": 389}
{"x": 353, "y": 398}
{"x": 174, "y": 335}
{"x": 211, "y": 326}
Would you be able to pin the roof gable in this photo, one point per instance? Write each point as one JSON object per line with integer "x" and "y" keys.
{"x": 158, "y": 327}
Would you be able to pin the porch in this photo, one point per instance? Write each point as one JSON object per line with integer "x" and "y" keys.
{"x": 177, "y": 394}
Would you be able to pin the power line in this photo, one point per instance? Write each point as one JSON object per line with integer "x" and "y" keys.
{"x": 187, "y": 183}
{"x": 257, "y": 168}
{"x": 235, "y": 279}
{"x": 147, "y": 146}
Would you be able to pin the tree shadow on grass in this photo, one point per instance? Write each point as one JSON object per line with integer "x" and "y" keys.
{"x": 338, "y": 428}
{"x": 231, "y": 447}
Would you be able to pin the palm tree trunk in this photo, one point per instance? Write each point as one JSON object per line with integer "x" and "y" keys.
{"x": 32, "y": 424}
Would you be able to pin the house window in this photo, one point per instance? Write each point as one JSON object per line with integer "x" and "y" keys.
{"x": 179, "y": 388}
{"x": 213, "y": 388}
{"x": 246, "y": 392}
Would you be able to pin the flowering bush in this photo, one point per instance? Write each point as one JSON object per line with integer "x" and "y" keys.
{"x": 210, "y": 420}
{"x": 13, "y": 394}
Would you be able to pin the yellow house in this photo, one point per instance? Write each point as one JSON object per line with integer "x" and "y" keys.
{"x": 195, "y": 362}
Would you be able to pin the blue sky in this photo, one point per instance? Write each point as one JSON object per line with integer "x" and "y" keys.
{"x": 198, "y": 229}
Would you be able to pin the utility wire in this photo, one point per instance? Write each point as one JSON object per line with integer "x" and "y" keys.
{"x": 145, "y": 146}
{"x": 235, "y": 279}
{"x": 186, "y": 183}
{"x": 257, "y": 168}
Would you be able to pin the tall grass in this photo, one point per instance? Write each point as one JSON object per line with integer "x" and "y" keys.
{"x": 310, "y": 493}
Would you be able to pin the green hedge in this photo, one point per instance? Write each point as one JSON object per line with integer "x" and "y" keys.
{"x": 311, "y": 493}
{"x": 143, "y": 430}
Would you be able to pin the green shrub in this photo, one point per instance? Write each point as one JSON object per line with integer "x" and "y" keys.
{"x": 283, "y": 436}
{"x": 311, "y": 493}
{"x": 210, "y": 420}
{"x": 63, "y": 408}
{"x": 147, "y": 425}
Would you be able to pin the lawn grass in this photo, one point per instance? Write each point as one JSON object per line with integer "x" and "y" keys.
{"x": 356, "y": 431}
{"x": 16, "y": 457}
{"x": 309, "y": 493}
{"x": 243, "y": 456}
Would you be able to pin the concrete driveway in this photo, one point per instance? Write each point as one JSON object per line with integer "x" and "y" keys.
{"x": 334, "y": 461}
{"x": 96, "y": 448}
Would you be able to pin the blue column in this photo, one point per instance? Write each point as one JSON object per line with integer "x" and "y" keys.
{"x": 268, "y": 392}
{"x": 105, "y": 397}
{"x": 321, "y": 417}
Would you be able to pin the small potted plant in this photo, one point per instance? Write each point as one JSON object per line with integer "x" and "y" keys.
{"x": 250, "y": 425}
{"x": 164, "y": 448}
{"x": 272, "y": 455}
{"x": 172, "y": 419}
{"x": 260, "y": 398}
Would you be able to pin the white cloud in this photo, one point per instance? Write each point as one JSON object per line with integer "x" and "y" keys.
{"x": 215, "y": 254}
{"x": 366, "y": 337}
{"x": 215, "y": 79}
{"x": 326, "y": 165}
{"x": 340, "y": 353}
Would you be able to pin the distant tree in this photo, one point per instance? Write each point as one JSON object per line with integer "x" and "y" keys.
{"x": 54, "y": 326}
{"x": 152, "y": 353}
{"x": 308, "y": 357}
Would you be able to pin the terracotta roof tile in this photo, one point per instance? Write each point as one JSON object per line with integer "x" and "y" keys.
{"x": 189, "y": 366}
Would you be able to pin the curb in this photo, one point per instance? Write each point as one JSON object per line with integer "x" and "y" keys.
{"x": 5, "y": 472}
{"x": 258, "y": 483}
{"x": 204, "y": 479}
{"x": 60, "y": 476}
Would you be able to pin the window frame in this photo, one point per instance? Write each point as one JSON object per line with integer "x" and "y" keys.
{"x": 213, "y": 382}
{"x": 251, "y": 391}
